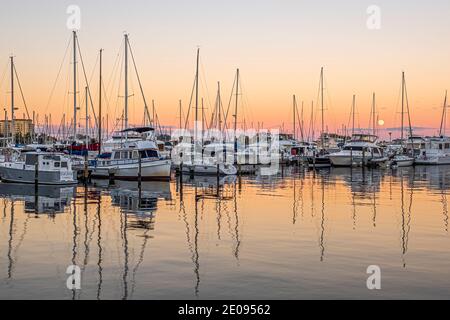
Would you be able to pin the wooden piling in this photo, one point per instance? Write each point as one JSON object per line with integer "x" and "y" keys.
{"x": 36, "y": 172}
{"x": 140, "y": 171}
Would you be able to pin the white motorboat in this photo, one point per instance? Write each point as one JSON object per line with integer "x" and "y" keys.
{"x": 361, "y": 149}
{"x": 133, "y": 158}
{"x": 435, "y": 151}
{"x": 43, "y": 168}
{"x": 402, "y": 161}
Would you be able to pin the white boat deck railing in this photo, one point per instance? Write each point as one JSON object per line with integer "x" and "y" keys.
{"x": 118, "y": 162}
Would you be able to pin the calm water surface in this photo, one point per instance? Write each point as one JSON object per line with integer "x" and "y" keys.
{"x": 300, "y": 235}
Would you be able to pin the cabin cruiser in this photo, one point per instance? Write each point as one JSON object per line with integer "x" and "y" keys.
{"x": 360, "y": 150}
{"x": 43, "y": 168}
{"x": 132, "y": 158}
{"x": 130, "y": 135}
{"x": 435, "y": 151}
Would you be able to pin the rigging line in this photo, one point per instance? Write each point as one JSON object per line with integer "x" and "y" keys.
{"x": 57, "y": 76}
{"x": 121, "y": 73}
{"x": 190, "y": 106}
{"x": 109, "y": 86}
{"x": 330, "y": 106}
{"x": 87, "y": 82}
{"x": 409, "y": 114}
{"x": 137, "y": 74}
{"x": 396, "y": 107}
{"x": 21, "y": 93}
{"x": 229, "y": 102}
{"x": 244, "y": 101}
{"x": 205, "y": 82}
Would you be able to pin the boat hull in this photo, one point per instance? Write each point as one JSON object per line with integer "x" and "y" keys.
{"x": 209, "y": 170}
{"x": 319, "y": 162}
{"x": 434, "y": 161}
{"x": 404, "y": 163}
{"x": 16, "y": 175}
{"x": 154, "y": 170}
{"x": 342, "y": 161}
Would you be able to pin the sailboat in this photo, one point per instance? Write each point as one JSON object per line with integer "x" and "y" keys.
{"x": 403, "y": 159}
{"x": 320, "y": 160}
{"x": 360, "y": 150}
{"x": 34, "y": 167}
{"x": 201, "y": 164}
{"x": 133, "y": 158}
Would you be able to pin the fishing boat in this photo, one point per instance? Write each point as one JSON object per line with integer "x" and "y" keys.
{"x": 41, "y": 168}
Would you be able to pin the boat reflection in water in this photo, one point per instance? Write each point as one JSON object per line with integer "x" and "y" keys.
{"x": 48, "y": 199}
{"x": 299, "y": 235}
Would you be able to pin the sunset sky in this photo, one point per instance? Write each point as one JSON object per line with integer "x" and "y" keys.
{"x": 279, "y": 47}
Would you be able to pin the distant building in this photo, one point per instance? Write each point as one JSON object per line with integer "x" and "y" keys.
{"x": 22, "y": 126}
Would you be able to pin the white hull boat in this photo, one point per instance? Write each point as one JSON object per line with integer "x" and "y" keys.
{"x": 40, "y": 168}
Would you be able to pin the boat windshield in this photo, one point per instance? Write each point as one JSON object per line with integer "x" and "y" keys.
{"x": 364, "y": 138}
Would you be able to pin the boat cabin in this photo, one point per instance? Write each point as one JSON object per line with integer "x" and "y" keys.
{"x": 360, "y": 137}
{"x": 48, "y": 162}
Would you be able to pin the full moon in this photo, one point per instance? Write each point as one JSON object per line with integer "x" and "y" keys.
{"x": 381, "y": 122}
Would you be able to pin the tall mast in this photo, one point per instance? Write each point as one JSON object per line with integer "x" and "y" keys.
{"x": 403, "y": 104}
{"x": 236, "y": 115}
{"x": 126, "y": 83}
{"x": 294, "y": 105}
{"x": 74, "y": 85}
{"x": 100, "y": 106}
{"x": 322, "y": 107}
{"x": 196, "y": 108}
{"x": 87, "y": 119}
{"x": 237, "y": 102}
{"x": 181, "y": 110}
{"x": 196, "y": 88}
{"x": 353, "y": 114}
{"x": 373, "y": 115}
{"x": 13, "y": 129}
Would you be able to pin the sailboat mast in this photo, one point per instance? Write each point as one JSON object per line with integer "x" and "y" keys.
{"x": 353, "y": 114}
{"x": 373, "y": 114}
{"x": 196, "y": 88}
{"x": 294, "y": 106}
{"x": 126, "y": 83}
{"x": 100, "y": 105}
{"x": 87, "y": 119}
{"x": 194, "y": 144}
{"x": 13, "y": 131}
{"x": 74, "y": 85}
{"x": 181, "y": 110}
{"x": 322, "y": 108}
{"x": 237, "y": 103}
{"x": 403, "y": 105}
